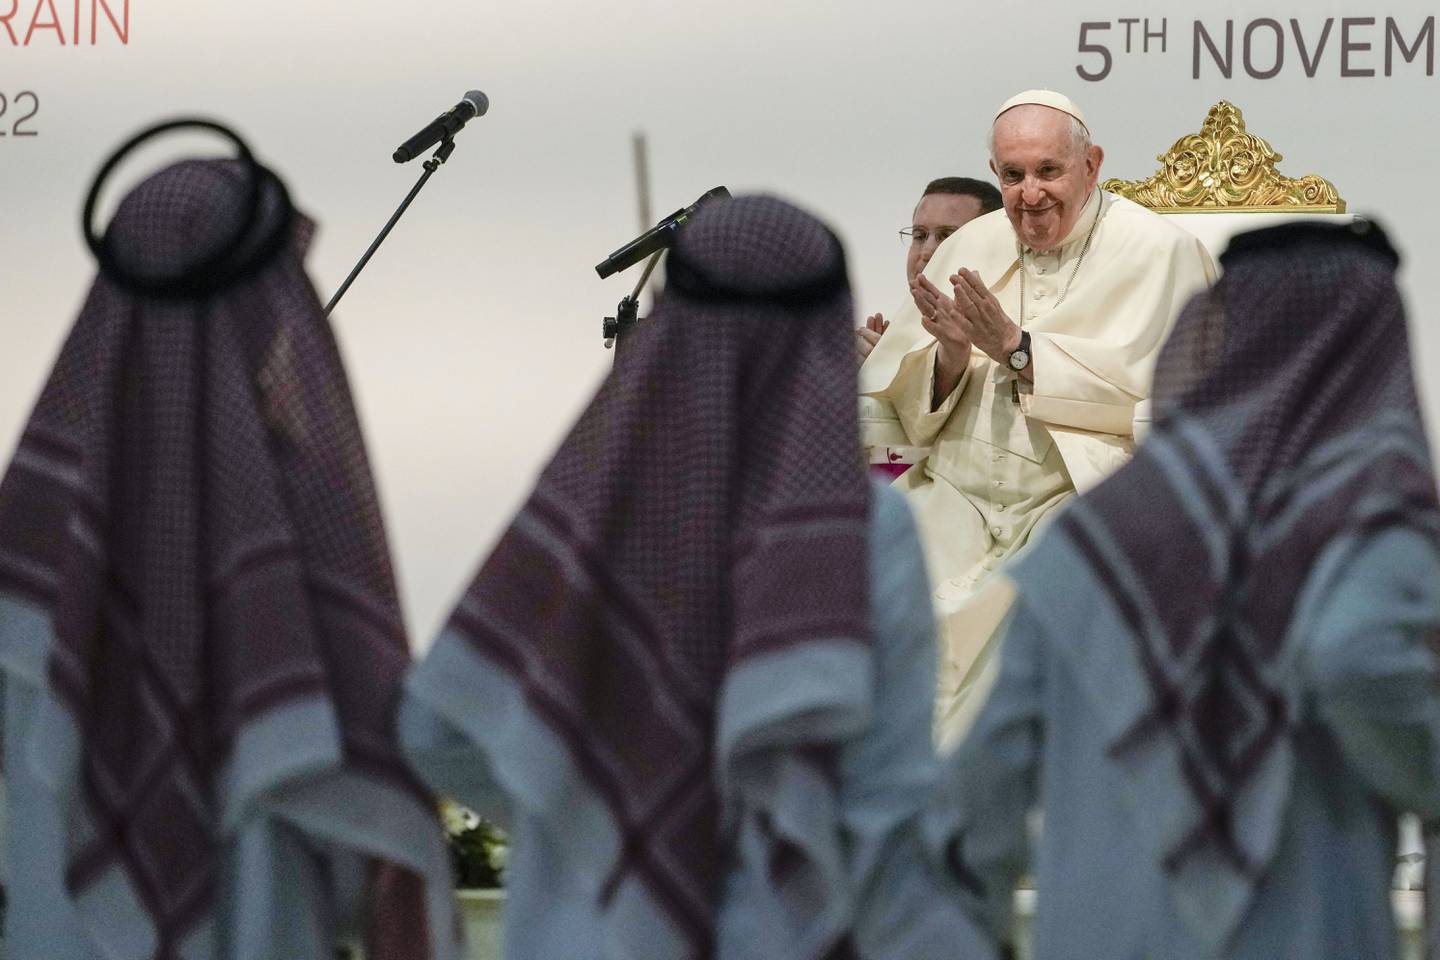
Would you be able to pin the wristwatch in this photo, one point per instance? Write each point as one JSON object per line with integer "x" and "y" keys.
{"x": 1020, "y": 356}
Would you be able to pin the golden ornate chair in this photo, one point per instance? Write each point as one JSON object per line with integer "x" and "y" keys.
{"x": 1223, "y": 181}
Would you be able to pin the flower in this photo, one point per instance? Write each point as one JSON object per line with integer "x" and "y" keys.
{"x": 457, "y": 819}
{"x": 478, "y": 848}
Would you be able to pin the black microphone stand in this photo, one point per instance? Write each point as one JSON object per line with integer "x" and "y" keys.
{"x": 627, "y": 311}
{"x": 441, "y": 154}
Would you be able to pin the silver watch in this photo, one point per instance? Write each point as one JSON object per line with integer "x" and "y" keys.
{"x": 1020, "y": 356}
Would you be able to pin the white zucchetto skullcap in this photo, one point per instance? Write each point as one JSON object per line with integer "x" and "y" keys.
{"x": 1045, "y": 98}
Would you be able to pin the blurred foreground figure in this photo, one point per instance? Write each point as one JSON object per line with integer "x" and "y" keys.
{"x": 199, "y": 633}
{"x": 665, "y": 677}
{"x": 1219, "y": 680}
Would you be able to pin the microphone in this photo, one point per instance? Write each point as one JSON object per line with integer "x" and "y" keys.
{"x": 659, "y": 237}
{"x": 447, "y": 124}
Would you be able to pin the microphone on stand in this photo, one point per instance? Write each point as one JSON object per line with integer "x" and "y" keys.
{"x": 446, "y": 125}
{"x": 442, "y": 128}
{"x": 659, "y": 237}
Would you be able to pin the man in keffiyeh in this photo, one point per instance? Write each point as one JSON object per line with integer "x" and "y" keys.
{"x": 666, "y": 675}
{"x": 200, "y": 642}
{"x": 1218, "y": 682}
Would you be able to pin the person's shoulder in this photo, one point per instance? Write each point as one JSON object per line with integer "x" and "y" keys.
{"x": 1148, "y": 226}
{"x": 1145, "y": 222}
{"x": 984, "y": 244}
{"x": 991, "y": 226}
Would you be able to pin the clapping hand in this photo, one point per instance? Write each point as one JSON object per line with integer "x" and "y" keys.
{"x": 972, "y": 315}
{"x": 867, "y": 336}
{"x": 971, "y": 318}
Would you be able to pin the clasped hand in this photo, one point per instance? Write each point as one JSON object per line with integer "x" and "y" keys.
{"x": 970, "y": 318}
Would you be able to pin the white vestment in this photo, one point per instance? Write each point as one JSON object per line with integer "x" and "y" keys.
{"x": 1006, "y": 452}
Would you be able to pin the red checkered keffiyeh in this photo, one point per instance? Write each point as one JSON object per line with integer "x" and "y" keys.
{"x": 1286, "y": 420}
{"x": 699, "y": 534}
{"x": 191, "y": 514}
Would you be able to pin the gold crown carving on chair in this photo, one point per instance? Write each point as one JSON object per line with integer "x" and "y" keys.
{"x": 1226, "y": 169}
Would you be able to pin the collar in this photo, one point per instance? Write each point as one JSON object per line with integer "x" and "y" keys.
{"x": 1078, "y": 232}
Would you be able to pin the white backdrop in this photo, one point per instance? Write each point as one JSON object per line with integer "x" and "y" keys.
{"x": 473, "y": 338}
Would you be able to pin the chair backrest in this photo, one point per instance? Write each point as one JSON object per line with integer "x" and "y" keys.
{"x": 1223, "y": 181}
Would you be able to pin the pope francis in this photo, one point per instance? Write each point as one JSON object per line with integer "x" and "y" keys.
{"x": 1028, "y": 343}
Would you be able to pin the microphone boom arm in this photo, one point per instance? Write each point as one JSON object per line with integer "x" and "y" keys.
{"x": 627, "y": 312}
{"x": 441, "y": 154}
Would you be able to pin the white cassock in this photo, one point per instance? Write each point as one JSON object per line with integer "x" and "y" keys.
{"x": 1005, "y": 452}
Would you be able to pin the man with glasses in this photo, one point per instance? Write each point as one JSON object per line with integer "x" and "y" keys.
{"x": 946, "y": 205}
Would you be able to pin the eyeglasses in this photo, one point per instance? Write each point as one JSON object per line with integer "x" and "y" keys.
{"x": 918, "y": 236}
